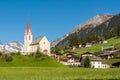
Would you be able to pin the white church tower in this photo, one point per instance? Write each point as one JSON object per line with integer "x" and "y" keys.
{"x": 27, "y": 39}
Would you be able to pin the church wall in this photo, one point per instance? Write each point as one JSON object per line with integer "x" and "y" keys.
{"x": 45, "y": 45}
{"x": 34, "y": 48}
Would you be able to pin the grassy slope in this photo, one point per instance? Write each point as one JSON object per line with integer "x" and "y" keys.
{"x": 111, "y": 61}
{"x": 50, "y": 73}
{"x": 97, "y": 47}
{"x": 30, "y": 61}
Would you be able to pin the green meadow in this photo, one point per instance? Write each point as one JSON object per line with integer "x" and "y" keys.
{"x": 57, "y": 73}
{"x": 28, "y": 68}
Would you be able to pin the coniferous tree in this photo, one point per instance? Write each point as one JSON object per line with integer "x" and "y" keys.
{"x": 87, "y": 62}
{"x": 118, "y": 30}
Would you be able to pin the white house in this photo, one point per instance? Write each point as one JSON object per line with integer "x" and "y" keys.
{"x": 71, "y": 60}
{"x": 87, "y": 54}
{"x": 88, "y": 45}
{"x": 105, "y": 66}
{"x": 80, "y": 45}
{"x": 73, "y": 48}
{"x": 105, "y": 41}
{"x": 96, "y": 62}
{"x": 31, "y": 46}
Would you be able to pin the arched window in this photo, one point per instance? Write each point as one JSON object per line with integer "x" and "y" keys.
{"x": 45, "y": 51}
{"x": 43, "y": 42}
{"x": 29, "y": 37}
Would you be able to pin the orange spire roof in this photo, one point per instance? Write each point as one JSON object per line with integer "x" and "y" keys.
{"x": 28, "y": 27}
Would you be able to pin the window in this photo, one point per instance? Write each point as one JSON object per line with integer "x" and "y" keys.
{"x": 29, "y": 38}
{"x": 45, "y": 51}
{"x": 98, "y": 62}
{"x": 43, "y": 42}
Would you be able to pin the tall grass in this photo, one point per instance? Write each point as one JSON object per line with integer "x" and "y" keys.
{"x": 52, "y": 73}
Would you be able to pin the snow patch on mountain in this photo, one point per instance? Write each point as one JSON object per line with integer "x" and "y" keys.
{"x": 14, "y": 46}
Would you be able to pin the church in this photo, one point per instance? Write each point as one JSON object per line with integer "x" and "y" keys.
{"x": 31, "y": 46}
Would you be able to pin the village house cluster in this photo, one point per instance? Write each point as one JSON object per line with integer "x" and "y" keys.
{"x": 96, "y": 59}
{"x": 87, "y": 45}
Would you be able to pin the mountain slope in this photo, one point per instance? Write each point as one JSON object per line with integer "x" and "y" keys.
{"x": 91, "y": 23}
{"x": 107, "y": 27}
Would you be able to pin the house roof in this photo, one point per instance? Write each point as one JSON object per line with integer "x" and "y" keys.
{"x": 95, "y": 59}
{"x": 105, "y": 54}
{"x": 92, "y": 58}
{"x": 87, "y": 53}
{"x": 36, "y": 40}
{"x": 109, "y": 47}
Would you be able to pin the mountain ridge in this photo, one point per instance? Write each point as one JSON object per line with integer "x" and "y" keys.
{"x": 14, "y": 46}
{"x": 91, "y": 23}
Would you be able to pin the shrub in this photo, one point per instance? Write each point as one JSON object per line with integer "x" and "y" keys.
{"x": 3, "y": 57}
{"x": 0, "y": 53}
{"x": 9, "y": 58}
{"x": 18, "y": 53}
{"x": 32, "y": 54}
{"x": 38, "y": 54}
{"x": 12, "y": 53}
{"x": 15, "y": 53}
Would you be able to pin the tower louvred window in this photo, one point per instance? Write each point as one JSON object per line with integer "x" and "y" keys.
{"x": 29, "y": 37}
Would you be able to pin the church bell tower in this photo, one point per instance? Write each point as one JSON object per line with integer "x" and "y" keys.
{"x": 27, "y": 39}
